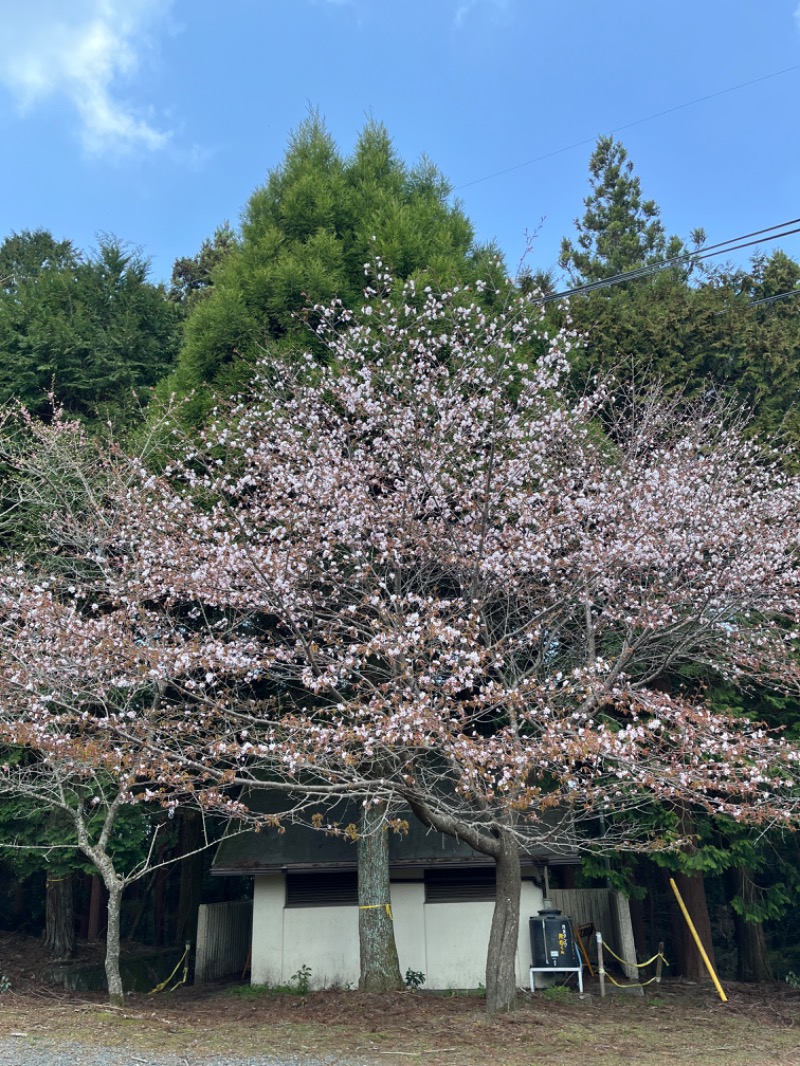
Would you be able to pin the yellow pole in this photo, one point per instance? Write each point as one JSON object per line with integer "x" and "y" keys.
{"x": 698, "y": 941}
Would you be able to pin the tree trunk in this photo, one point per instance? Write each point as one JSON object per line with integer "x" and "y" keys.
{"x": 104, "y": 865}
{"x": 20, "y": 910}
{"x": 567, "y": 877}
{"x": 191, "y": 876}
{"x": 501, "y": 961}
{"x": 159, "y": 901}
{"x": 752, "y": 962}
{"x": 688, "y": 960}
{"x": 638, "y": 926}
{"x": 113, "y": 976}
{"x": 95, "y": 928}
{"x": 380, "y": 969}
{"x": 83, "y": 887}
{"x": 59, "y": 935}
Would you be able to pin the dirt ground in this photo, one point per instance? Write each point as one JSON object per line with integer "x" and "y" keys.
{"x": 678, "y": 1024}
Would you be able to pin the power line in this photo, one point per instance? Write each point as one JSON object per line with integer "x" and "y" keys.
{"x": 627, "y": 126}
{"x": 746, "y": 236}
{"x": 746, "y": 244}
{"x": 763, "y": 300}
{"x": 709, "y": 251}
{"x": 774, "y": 299}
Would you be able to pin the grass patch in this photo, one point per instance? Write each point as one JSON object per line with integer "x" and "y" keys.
{"x": 259, "y": 991}
{"x": 558, "y": 994}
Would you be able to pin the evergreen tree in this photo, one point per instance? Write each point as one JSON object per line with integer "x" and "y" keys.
{"x": 305, "y": 238}
{"x": 703, "y": 336}
{"x": 620, "y": 230}
{"x": 193, "y": 276}
{"x": 763, "y": 324}
{"x": 24, "y": 256}
{"x": 91, "y": 329}
{"x": 713, "y": 330}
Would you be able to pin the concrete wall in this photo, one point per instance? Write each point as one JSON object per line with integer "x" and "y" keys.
{"x": 445, "y": 941}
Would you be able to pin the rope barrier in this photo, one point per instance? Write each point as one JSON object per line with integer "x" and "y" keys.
{"x": 629, "y": 984}
{"x": 638, "y": 965}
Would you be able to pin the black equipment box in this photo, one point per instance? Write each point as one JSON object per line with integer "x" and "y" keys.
{"x": 552, "y": 941}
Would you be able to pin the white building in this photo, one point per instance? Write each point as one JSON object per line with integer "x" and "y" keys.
{"x": 305, "y": 904}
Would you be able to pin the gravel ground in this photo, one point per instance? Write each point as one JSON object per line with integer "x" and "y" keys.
{"x": 28, "y": 1051}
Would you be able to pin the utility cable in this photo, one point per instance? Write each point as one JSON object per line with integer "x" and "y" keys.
{"x": 774, "y": 299}
{"x": 627, "y": 126}
{"x": 709, "y": 251}
{"x": 702, "y": 254}
{"x": 764, "y": 300}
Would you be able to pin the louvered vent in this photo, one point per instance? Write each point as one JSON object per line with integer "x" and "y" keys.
{"x": 322, "y": 888}
{"x": 470, "y": 885}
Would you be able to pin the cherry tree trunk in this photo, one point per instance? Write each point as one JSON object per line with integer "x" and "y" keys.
{"x": 113, "y": 976}
{"x": 501, "y": 960}
{"x": 752, "y": 962}
{"x": 380, "y": 968}
{"x": 688, "y": 961}
{"x": 59, "y": 934}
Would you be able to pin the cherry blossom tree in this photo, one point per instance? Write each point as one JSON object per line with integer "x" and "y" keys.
{"x": 478, "y": 594}
{"x": 88, "y": 674}
{"x": 423, "y": 575}
{"x": 117, "y": 695}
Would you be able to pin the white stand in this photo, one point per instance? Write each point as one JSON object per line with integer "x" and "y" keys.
{"x": 558, "y": 969}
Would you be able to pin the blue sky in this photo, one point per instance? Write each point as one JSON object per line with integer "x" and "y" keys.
{"x": 155, "y": 120}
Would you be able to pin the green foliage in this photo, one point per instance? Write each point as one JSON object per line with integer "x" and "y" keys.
{"x": 5, "y": 984}
{"x": 301, "y": 981}
{"x": 557, "y": 994}
{"x": 305, "y": 238}
{"x": 414, "y": 979}
{"x": 255, "y": 991}
{"x": 25, "y": 256}
{"x": 93, "y": 329}
{"x": 36, "y": 837}
{"x": 777, "y": 710}
{"x": 620, "y": 230}
{"x": 618, "y": 873}
{"x": 193, "y": 276}
{"x": 299, "y": 984}
{"x": 699, "y": 331}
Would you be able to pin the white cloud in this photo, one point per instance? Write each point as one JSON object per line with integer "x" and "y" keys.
{"x": 84, "y": 51}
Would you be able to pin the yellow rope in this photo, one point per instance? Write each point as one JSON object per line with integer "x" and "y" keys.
{"x": 377, "y": 906}
{"x": 185, "y": 975}
{"x": 629, "y": 984}
{"x": 638, "y": 965}
{"x": 163, "y": 985}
